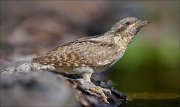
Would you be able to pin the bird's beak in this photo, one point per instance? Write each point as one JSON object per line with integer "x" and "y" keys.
{"x": 142, "y": 23}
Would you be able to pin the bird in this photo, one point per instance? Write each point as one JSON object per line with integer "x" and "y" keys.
{"x": 93, "y": 54}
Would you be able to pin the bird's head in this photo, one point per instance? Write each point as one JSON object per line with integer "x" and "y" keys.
{"x": 128, "y": 27}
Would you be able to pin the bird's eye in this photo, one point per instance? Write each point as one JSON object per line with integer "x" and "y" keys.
{"x": 127, "y": 23}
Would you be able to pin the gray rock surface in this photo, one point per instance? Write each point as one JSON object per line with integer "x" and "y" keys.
{"x": 35, "y": 88}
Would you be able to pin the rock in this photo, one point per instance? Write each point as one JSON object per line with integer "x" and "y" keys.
{"x": 35, "y": 89}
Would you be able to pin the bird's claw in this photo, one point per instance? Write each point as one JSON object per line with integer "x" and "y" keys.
{"x": 99, "y": 90}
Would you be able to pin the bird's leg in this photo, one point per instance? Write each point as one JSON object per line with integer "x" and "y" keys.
{"x": 97, "y": 89}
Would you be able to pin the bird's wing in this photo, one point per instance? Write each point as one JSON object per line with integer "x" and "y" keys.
{"x": 81, "y": 53}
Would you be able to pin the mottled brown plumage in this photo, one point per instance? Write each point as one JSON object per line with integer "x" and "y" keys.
{"x": 86, "y": 53}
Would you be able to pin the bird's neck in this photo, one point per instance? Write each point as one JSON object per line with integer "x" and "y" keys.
{"x": 122, "y": 41}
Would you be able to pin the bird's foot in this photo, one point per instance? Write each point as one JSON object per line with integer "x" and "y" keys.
{"x": 100, "y": 91}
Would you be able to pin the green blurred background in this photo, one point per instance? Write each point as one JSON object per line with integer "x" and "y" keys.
{"x": 151, "y": 63}
{"x": 150, "y": 66}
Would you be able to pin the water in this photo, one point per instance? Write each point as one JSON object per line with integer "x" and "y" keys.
{"x": 153, "y": 100}
{"x": 153, "y": 103}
